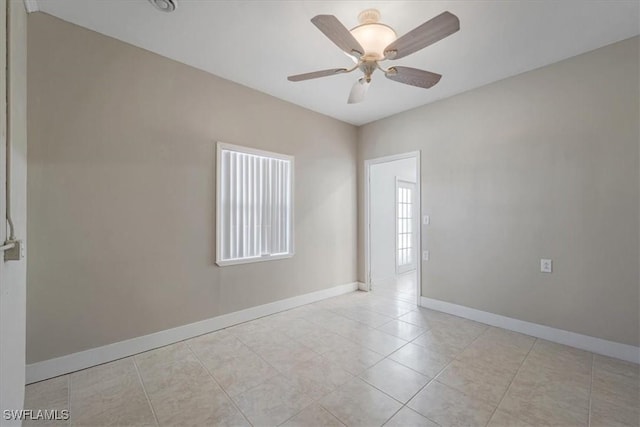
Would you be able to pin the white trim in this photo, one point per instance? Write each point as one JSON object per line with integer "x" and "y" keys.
{"x": 585, "y": 342}
{"x": 393, "y": 157}
{"x": 223, "y": 263}
{"x": 419, "y": 226}
{"x": 31, "y": 6}
{"x": 367, "y": 216}
{"x": 253, "y": 151}
{"x": 95, "y": 356}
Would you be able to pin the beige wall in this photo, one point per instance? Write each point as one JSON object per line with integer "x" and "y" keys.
{"x": 121, "y": 192}
{"x": 13, "y": 273}
{"x": 540, "y": 165}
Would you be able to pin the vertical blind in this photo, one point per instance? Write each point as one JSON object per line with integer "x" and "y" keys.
{"x": 254, "y": 206}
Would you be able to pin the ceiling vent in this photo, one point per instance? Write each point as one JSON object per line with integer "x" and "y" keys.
{"x": 164, "y": 5}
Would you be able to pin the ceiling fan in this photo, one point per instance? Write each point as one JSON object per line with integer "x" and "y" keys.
{"x": 372, "y": 42}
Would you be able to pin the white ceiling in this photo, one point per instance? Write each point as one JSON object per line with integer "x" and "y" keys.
{"x": 259, "y": 43}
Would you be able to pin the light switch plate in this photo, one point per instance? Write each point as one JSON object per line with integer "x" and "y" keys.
{"x": 546, "y": 265}
{"x": 426, "y": 220}
{"x": 425, "y": 255}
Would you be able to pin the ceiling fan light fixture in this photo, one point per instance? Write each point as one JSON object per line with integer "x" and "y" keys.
{"x": 368, "y": 42}
{"x": 374, "y": 38}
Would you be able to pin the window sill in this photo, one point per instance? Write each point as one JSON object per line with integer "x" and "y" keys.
{"x": 226, "y": 262}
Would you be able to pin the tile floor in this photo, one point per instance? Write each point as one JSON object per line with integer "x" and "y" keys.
{"x": 362, "y": 359}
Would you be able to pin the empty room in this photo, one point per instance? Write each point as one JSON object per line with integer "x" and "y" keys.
{"x": 320, "y": 213}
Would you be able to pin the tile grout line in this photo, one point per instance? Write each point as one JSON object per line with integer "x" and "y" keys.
{"x": 369, "y": 312}
{"x": 315, "y": 401}
{"x": 327, "y": 409}
{"x": 350, "y": 338}
{"x": 398, "y": 320}
{"x": 283, "y": 375}
{"x": 432, "y": 379}
{"x": 358, "y": 376}
{"x": 235, "y": 405}
{"x": 367, "y": 383}
{"x": 372, "y": 310}
{"x": 512, "y": 380}
{"x": 144, "y": 390}
{"x": 453, "y": 359}
{"x": 402, "y": 406}
{"x": 593, "y": 356}
{"x": 355, "y": 376}
{"x": 408, "y": 367}
{"x": 266, "y": 361}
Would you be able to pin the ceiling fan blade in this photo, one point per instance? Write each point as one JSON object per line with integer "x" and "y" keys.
{"x": 338, "y": 33}
{"x": 316, "y": 74}
{"x": 420, "y": 37}
{"x": 358, "y": 91}
{"x": 413, "y": 76}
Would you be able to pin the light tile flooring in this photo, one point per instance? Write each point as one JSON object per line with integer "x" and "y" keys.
{"x": 359, "y": 360}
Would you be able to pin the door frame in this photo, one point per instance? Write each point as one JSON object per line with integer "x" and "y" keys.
{"x": 367, "y": 216}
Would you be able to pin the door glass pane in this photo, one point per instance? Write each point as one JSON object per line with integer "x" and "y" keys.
{"x": 405, "y": 197}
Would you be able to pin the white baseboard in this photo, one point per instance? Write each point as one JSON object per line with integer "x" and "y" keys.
{"x": 585, "y": 342}
{"x": 96, "y": 356}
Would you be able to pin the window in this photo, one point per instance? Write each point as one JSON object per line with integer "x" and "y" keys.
{"x": 405, "y": 256}
{"x": 254, "y": 202}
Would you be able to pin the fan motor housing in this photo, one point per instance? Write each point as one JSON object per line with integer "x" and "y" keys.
{"x": 368, "y": 67}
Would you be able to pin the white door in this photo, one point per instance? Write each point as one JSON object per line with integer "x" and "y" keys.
{"x": 406, "y": 242}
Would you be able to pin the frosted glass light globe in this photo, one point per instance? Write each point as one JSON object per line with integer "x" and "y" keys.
{"x": 373, "y": 38}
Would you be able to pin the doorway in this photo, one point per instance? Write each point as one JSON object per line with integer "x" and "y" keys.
{"x": 392, "y": 226}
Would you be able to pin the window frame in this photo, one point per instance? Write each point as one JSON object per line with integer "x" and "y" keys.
{"x": 263, "y": 153}
{"x": 405, "y": 268}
